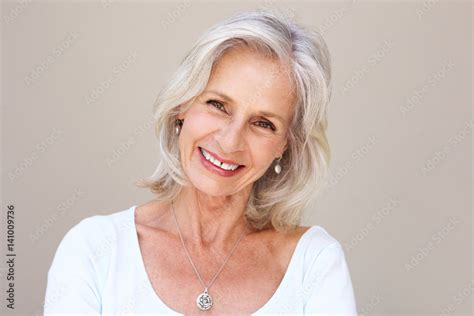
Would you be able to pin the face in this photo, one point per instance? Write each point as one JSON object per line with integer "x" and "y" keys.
{"x": 241, "y": 118}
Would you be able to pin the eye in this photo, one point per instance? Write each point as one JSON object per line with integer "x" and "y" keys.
{"x": 218, "y": 105}
{"x": 266, "y": 125}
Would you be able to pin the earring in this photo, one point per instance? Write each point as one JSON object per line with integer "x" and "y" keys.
{"x": 179, "y": 124}
{"x": 278, "y": 166}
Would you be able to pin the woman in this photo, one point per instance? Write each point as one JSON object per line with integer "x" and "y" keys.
{"x": 241, "y": 129}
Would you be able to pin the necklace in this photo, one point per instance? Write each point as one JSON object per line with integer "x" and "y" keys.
{"x": 204, "y": 300}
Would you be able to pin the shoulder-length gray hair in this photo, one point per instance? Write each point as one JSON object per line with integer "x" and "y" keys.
{"x": 276, "y": 200}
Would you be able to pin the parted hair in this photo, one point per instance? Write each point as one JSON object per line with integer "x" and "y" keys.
{"x": 276, "y": 200}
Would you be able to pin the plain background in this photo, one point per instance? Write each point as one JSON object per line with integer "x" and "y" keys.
{"x": 79, "y": 80}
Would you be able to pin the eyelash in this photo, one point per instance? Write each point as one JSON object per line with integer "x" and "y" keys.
{"x": 215, "y": 102}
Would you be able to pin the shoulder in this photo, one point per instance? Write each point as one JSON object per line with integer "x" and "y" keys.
{"x": 311, "y": 239}
{"x": 327, "y": 284}
{"x": 319, "y": 238}
{"x": 304, "y": 244}
{"x": 320, "y": 247}
{"x": 97, "y": 225}
{"x": 79, "y": 269}
{"x": 94, "y": 233}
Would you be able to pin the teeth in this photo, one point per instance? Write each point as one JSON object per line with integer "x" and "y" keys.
{"x": 218, "y": 163}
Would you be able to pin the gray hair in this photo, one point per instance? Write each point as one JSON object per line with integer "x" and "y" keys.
{"x": 276, "y": 200}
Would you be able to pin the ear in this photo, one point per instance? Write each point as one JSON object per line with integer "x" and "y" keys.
{"x": 285, "y": 147}
{"x": 180, "y": 116}
{"x": 182, "y": 113}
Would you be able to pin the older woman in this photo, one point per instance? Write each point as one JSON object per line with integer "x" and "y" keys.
{"x": 241, "y": 129}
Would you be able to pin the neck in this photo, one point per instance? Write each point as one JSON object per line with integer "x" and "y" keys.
{"x": 207, "y": 221}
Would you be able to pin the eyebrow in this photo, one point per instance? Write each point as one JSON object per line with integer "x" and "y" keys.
{"x": 263, "y": 113}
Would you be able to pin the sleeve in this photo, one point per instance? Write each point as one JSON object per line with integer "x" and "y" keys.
{"x": 328, "y": 286}
{"x": 72, "y": 283}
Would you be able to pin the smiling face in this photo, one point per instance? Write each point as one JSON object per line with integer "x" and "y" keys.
{"x": 242, "y": 117}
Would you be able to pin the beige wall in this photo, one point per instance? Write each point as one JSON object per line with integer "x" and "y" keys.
{"x": 78, "y": 83}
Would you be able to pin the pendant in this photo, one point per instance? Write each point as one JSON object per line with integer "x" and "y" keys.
{"x": 204, "y": 300}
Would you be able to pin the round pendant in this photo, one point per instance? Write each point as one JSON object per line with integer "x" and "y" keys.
{"x": 204, "y": 300}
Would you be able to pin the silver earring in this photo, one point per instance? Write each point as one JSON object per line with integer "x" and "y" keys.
{"x": 179, "y": 124}
{"x": 278, "y": 166}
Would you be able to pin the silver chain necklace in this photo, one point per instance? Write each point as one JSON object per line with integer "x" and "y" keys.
{"x": 204, "y": 300}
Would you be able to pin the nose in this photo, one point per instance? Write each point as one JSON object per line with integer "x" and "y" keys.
{"x": 231, "y": 136}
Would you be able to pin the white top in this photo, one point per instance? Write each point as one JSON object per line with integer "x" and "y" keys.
{"x": 98, "y": 268}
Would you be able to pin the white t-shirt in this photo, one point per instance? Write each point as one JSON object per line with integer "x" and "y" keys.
{"x": 98, "y": 269}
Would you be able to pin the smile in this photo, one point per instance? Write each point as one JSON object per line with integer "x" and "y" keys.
{"x": 217, "y": 162}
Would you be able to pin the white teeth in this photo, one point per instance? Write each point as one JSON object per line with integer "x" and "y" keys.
{"x": 226, "y": 166}
{"x": 218, "y": 163}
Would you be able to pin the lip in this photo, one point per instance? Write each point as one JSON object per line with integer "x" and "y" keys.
{"x": 215, "y": 169}
{"x": 230, "y": 162}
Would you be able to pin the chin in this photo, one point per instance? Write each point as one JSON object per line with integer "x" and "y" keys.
{"x": 211, "y": 189}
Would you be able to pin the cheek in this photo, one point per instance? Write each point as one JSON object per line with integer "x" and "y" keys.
{"x": 199, "y": 122}
{"x": 263, "y": 151}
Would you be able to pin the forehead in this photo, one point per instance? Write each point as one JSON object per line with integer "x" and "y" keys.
{"x": 254, "y": 81}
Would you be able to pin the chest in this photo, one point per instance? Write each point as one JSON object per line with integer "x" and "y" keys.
{"x": 246, "y": 282}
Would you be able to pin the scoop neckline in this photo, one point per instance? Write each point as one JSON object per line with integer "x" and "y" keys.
{"x": 283, "y": 282}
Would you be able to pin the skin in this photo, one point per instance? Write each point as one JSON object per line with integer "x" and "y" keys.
{"x": 210, "y": 212}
